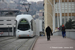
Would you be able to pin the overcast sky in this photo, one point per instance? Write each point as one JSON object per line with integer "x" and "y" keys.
{"x": 35, "y": 0}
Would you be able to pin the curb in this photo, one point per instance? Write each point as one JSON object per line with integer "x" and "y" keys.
{"x": 33, "y": 44}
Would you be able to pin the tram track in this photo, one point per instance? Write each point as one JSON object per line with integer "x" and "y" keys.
{"x": 22, "y": 44}
{"x": 4, "y": 39}
{"x": 14, "y": 45}
{"x": 6, "y": 42}
{"x": 18, "y": 44}
{"x": 28, "y": 44}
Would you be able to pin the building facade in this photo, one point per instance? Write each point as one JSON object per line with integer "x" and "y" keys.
{"x": 67, "y": 11}
{"x": 7, "y": 20}
{"x": 58, "y": 12}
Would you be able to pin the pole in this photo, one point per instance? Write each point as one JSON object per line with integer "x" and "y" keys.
{"x": 54, "y": 17}
{"x": 60, "y": 13}
{"x": 8, "y": 30}
{"x": 57, "y": 15}
{"x": 13, "y": 30}
{"x": 27, "y": 9}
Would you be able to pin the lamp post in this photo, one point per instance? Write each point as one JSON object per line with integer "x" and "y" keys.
{"x": 27, "y": 6}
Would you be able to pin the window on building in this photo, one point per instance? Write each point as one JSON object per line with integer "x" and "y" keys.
{"x": 8, "y": 20}
{"x": 9, "y": 24}
{"x": 1, "y": 20}
{"x": 1, "y": 24}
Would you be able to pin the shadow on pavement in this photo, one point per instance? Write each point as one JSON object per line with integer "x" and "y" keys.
{"x": 26, "y": 37}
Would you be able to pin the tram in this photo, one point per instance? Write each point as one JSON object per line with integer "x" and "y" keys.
{"x": 25, "y": 26}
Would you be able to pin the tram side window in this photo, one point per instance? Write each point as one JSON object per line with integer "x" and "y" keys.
{"x": 32, "y": 25}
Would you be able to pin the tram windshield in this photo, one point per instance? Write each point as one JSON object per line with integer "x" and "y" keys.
{"x": 23, "y": 25}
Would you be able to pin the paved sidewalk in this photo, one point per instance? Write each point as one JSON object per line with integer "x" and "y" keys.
{"x": 56, "y": 43}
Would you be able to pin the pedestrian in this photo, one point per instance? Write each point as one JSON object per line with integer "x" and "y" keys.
{"x": 48, "y": 33}
{"x": 63, "y": 31}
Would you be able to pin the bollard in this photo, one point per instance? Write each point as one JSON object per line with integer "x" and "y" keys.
{"x": 13, "y": 30}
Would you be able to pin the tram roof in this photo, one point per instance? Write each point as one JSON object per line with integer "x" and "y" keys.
{"x": 26, "y": 16}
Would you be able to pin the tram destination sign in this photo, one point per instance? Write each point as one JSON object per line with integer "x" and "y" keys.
{"x": 23, "y": 22}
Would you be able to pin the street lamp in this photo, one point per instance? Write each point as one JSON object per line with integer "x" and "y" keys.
{"x": 27, "y": 6}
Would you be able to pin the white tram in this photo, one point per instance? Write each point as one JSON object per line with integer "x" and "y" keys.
{"x": 25, "y": 26}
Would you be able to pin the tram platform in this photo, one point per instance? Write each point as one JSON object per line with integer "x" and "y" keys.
{"x": 56, "y": 43}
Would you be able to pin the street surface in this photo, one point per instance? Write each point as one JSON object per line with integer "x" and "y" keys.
{"x": 56, "y": 43}
{"x": 12, "y": 43}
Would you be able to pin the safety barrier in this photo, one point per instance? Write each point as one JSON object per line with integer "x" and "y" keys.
{"x": 6, "y": 34}
{"x": 69, "y": 34}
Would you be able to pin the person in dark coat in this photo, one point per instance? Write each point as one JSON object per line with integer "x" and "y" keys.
{"x": 48, "y": 32}
{"x": 63, "y": 31}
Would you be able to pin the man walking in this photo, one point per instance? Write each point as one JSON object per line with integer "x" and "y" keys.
{"x": 63, "y": 31}
{"x": 48, "y": 32}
